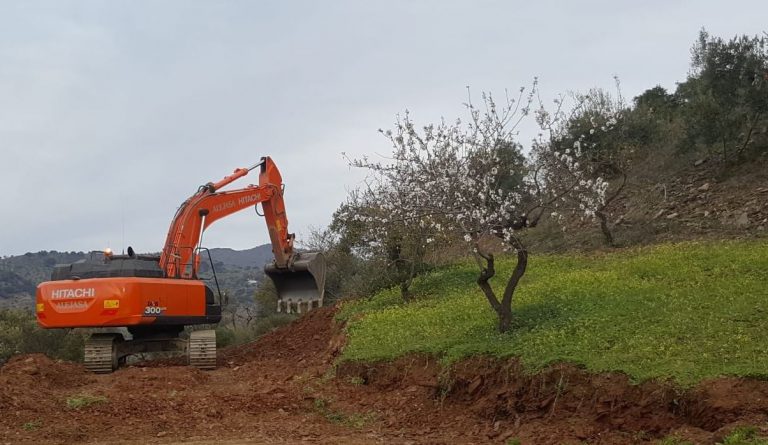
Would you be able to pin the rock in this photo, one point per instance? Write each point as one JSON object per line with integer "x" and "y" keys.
{"x": 672, "y": 215}
{"x": 507, "y": 435}
{"x": 475, "y": 384}
{"x": 162, "y": 434}
{"x": 30, "y": 370}
{"x": 742, "y": 220}
{"x": 706, "y": 213}
{"x": 704, "y": 187}
{"x": 699, "y": 162}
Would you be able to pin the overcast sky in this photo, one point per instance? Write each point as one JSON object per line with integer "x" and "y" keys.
{"x": 113, "y": 112}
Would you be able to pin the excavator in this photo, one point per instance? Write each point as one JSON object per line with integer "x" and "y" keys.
{"x": 154, "y": 297}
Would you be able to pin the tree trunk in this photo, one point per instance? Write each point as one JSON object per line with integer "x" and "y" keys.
{"x": 505, "y": 318}
{"x": 486, "y": 273}
{"x": 405, "y": 286}
{"x": 607, "y": 235}
{"x": 502, "y": 308}
{"x": 405, "y": 292}
{"x": 600, "y": 213}
{"x": 748, "y": 138}
{"x": 234, "y": 319}
{"x": 505, "y": 315}
{"x": 725, "y": 153}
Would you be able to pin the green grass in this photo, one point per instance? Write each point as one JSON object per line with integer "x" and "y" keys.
{"x": 673, "y": 440}
{"x": 353, "y": 420}
{"x": 745, "y": 435}
{"x": 84, "y": 400}
{"x": 32, "y": 425}
{"x": 682, "y": 311}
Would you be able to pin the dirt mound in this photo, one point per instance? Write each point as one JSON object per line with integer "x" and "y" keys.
{"x": 37, "y": 369}
{"x": 314, "y": 338}
{"x": 284, "y": 388}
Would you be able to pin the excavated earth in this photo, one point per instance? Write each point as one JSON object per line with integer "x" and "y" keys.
{"x": 284, "y": 388}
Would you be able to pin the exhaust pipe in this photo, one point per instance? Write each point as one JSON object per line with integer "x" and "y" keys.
{"x": 301, "y": 285}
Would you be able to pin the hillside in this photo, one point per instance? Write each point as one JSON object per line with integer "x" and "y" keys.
{"x": 249, "y": 258}
{"x": 684, "y": 312}
{"x": 301, "y": 384}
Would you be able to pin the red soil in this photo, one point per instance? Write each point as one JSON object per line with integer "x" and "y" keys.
{"x": 283, "y": 389}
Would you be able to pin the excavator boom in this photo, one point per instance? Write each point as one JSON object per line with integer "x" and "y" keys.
{"x": 299, "y": 277}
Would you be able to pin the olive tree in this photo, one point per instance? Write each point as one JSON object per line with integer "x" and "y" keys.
{"x": 726, "y": 95}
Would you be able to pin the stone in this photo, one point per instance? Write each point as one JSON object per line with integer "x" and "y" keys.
{"x": 672, "y": 215}
{"x": 699, "y": 162}
{"x": 704, "y": 187}
{"x": 742, "y": 220}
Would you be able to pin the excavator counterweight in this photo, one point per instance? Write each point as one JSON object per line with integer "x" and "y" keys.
{"x": 153, "y": 298}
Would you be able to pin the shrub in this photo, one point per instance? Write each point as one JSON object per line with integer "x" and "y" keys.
{"x": 20, "y": 334}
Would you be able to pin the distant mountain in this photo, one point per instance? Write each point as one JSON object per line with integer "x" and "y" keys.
{"x": 256, "y": 257}
{"x": 22, "y": 273}
{"x": 236, "y": 270}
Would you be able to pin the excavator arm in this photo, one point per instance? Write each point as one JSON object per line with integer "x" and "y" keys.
{"x": 298, "y": 277}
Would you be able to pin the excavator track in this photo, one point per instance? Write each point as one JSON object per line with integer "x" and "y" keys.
{"x": 101, "y": 353}
{"x": 202, "y": 349}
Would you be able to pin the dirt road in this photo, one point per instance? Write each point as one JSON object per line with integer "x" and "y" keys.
{"x": 284, "y": 389}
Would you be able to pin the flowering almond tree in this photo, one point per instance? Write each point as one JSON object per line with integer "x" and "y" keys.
{"x": 385, "y": 233}
{"x": 467, "y": 181}
{"x": 577, "y": 152}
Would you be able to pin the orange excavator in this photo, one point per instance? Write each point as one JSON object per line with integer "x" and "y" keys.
{"x": 156, "y": 297}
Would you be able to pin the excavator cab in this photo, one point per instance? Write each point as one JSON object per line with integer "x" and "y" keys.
{"x": 301, "y": 285}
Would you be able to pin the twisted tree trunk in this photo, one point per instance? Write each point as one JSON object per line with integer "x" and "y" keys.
{"x": 502, "y": 308}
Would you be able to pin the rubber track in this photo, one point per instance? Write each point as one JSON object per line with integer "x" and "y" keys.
{"x": 202, "y": 349}
{"x": 99, "y": 355}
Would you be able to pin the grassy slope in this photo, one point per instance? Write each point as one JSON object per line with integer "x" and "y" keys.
{"x": 685, "y": 311}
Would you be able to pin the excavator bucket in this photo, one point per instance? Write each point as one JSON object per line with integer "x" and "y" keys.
{"x": 301, "y": 285}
